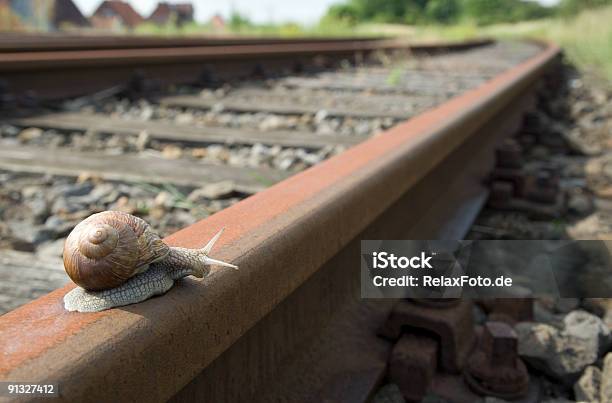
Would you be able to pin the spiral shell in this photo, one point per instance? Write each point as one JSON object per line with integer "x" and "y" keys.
{"x": 107, "y": 248}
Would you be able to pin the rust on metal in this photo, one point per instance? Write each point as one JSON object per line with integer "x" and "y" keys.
{"x": 279, "y": 237}
{"x": 542, "y": 187}
{"x": 509, "y": 310}
{"x": 175, "y": 62}
{"x": 452, "y": 325}
{"x": 413, "y": 364}
{"x": 20, "y": 61}
{"x": 495, "y": 369}
{"x": 500, "y": 194}
{"x": 25, "y": 42}
{"x": 509, "y": 154}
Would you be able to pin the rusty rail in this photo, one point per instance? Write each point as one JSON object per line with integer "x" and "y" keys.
{"x": 32, "y": 42}
{"x": 289, "y": 325}
{"x": 66, "y": 72}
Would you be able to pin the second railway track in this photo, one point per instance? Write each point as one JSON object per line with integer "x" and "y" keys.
{"x": 174, "y": 156}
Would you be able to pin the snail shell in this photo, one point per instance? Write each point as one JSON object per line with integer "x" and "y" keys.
{"x": 108, "y": 248}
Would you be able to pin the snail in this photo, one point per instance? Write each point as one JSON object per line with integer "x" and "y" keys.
{"x": 116, "y": 259}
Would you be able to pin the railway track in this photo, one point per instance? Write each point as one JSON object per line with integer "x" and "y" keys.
{"x": 298, "y": 166}
{"x": 64, "y": 70}
{"x": 11, "y": 43}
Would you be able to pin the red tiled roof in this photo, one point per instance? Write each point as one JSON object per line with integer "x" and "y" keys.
{"x": 184, "y": 8}
{"x": 164, "y": 10}
{"x": 124, "y": 11}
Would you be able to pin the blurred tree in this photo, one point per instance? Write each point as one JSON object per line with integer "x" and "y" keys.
{"x": 571, "y": 7}
{"x": 238, "y": 21}
{"x": 386, "y": 10}
{"x": 530, "y": 10}
{"x": 493, "y": 11}
{"x": 486, "y": 11}
{"x": 442, "y": 11}
{"x": 348, "y": 13}
{"x": 414, "y": 13}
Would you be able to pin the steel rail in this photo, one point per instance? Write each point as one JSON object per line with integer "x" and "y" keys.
{"x": 233, "y": 335}
{"x": 66, "y": 73}
{"x": 102, "y": 58}
{"x": 23, "y": 61}
{"x": 36, "y": 43}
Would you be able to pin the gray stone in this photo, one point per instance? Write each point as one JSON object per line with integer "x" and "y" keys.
{"x": 580, "y": 204}
{"x": 271, "y": 122}
{"x": 320, "y": 116}
{"x": 214, "y": 206}
{"x": 217, "y": 108}
{"x": 182, "y": 219}
{"x": 52, "y": 248}
{"x": 285, "y": 163}
{"x": 308, "y": 158}
{"x": 217, "y": 152}
{"x": 28, "y": 192}
{"x": 566, "y": 305}
{"x": 560, "y": 355}
{"x": 390, "y": 393}
{"x": 146, "y": 112}
{"x": 325, "y": 129}
{"x": 30, "y": 134}
{"x": 58, "y": 226}
{"x": 242, "y": 159}
{"x": 143, "y": 140}
{"x": 38, "y": 206}
{"x": 103, "y": 193}
{"x": 259, "y": 150}
{"x": 184, "y": 118}
{"x": 589, "y": 327}
{"x": 34, "y": 234}
{"x": 606, "y": 380}
{"x": 362, "y": 128}
{"x": 601, "y": 307}
{"x": 588, "y": 386}
{"x": 542, "y": 314}
{"x": 212, "y": 191}
{"x": 9, "y": 131}
{"x": 64, "y": 205}
{"x": 164, "y": 199}
{"x": 74, "y": 189}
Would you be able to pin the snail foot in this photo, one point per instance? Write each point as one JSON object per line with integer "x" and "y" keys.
{"x": 143, "y": 286}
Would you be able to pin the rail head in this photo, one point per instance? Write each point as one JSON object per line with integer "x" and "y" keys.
{"x": 278, "y": 237}
{"x": 62, "y": 59}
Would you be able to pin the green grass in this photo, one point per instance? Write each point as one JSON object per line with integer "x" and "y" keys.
{"x": 586, "y": 38}
{"x": 286, "y": 30}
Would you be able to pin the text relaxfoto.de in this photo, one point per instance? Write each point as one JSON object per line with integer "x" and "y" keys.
{"x": 384, "y": 260}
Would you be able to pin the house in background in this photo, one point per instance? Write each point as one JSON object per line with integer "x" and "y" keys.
{"x": 40, "y": 15}
{"x": 166, "y": 13}
{"x": 115, "y": 15}
{"x": 218, "y": 23}
{"x": 66, "y": 13}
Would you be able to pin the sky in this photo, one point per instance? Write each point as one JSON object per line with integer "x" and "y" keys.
{"x": 259, "y": 11}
